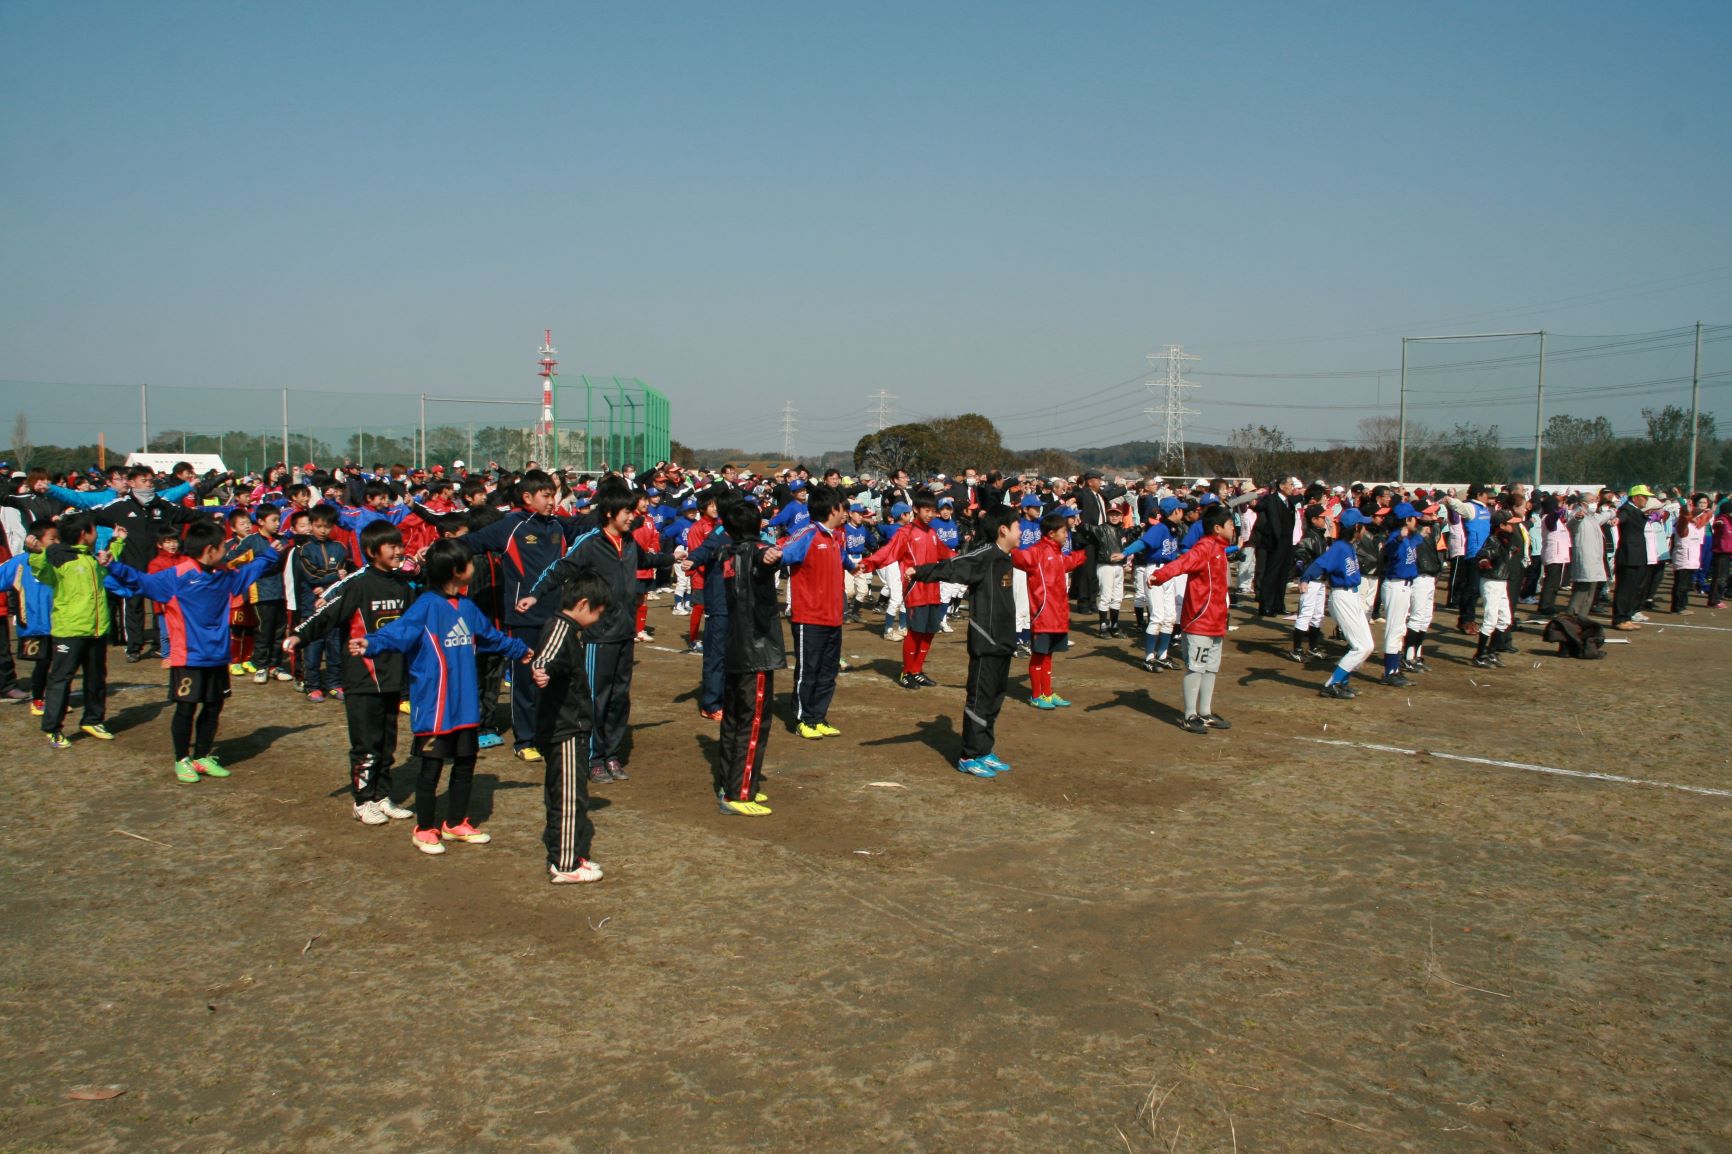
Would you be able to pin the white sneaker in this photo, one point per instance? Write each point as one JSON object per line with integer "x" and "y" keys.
{"x": 945, "y": 626}
{"x": 1642, "y": 617}
{"x": 367, "y": 813}
{"x": 679, "y": 612}
{"x": 391, "y": 809}
{"x": 644, "y": 636}
{"x": 261, "y": 677}
{"x": 284, "y": 675}
{"x": 586, "y": 871}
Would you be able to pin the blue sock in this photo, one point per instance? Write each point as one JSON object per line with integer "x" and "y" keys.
{"x": 1164, "y": 641}
{"x": 1339, "y": 677}
{"x": 1391, "y": 663}
{"x": 1149, "y": 644}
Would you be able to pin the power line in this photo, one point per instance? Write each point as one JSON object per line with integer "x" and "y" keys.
{"x": 790, "y": 425}
{"x": 884, "y": 408}
{"x": 1173, "y": 410}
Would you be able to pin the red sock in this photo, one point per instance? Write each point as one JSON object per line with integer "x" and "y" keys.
{"x": 922, "y": 643}
{"x": 642, "y": 615}
{"x": 697, "y": 621}
{"x": 911, "y": 653}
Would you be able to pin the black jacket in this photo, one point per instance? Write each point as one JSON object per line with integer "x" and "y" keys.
{"x": 1311, "y": 546}
{"x": 1632, "y": 537}
{"x": 1370, "y": 550}
{"x": 1274, "y": 527}
{"x": 364, "y": 602}
{"x": 563, "y": 705}
{"x": 986, "y": 570}
{"x": 617, "y": 562}
{"x": 1507, "y": 560}
{"x": 141, "y": 520}
{"x": 755, "y": 642}
{"x": 1430, "y": 564}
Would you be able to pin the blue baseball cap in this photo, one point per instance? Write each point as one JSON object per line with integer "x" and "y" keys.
{"x": 1168, "y": 504}
{"x": 688, "y": 504}
{"x": 1403, "y": 511}
{"x": 1352, "y": 517}
{"x": 946, "y": 502}
{"x": 1069, "y": 510}
{"x": 796, "y": 485}
{"x": 858, "y": 508}
{"x": 1031, "y": 501}
{"x": 1208, "y": 499}
{"x": 899, "y": 509}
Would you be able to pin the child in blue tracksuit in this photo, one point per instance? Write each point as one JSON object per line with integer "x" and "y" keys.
{"x": 319, "y": 564}
{"x": 35, "y": 606}
{"x": 195, "y": 626}
{"x": 440, "y": 634}
{"x": 1340, "y": 565}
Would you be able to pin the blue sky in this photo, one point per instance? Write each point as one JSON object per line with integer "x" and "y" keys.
{"x": 991, "y": 207}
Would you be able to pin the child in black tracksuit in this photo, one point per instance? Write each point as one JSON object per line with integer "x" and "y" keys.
{"x": 986, "y": 570}
{"x": 754, "y": 651}
{"x": 564, "y": 712}
{"x": 365, "y": 602}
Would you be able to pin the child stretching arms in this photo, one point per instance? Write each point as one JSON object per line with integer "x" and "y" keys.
{"x": 563, "y": 719}
{"x": 440, "y": 633}
{"x": 195, "y": 599}
{"x": 1048, "y": 567}
{"x": 1205, "y": 616}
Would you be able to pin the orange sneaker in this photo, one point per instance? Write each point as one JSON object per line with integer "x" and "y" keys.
{"x": 464, "y": 832}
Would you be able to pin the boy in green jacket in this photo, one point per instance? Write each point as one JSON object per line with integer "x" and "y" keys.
{"x": 80, "y": 626}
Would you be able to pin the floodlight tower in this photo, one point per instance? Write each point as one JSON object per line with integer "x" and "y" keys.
{"x": 544, "y": 428}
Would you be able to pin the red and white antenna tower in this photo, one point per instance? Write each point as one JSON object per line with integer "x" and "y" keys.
{"x": 544, "y": 428}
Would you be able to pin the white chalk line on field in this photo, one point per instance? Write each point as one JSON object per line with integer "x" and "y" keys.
{"x": 1583, "y": 773}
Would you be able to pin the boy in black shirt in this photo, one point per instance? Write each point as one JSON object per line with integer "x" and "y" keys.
{"x": 754, "y": 650}
{"x": 564, "y": 712}
{"x": 986, "y": 570}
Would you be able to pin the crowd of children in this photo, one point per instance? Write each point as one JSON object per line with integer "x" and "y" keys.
{"x": 397, "y": 591}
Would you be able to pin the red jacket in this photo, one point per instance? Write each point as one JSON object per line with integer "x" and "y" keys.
{"x": 1048, "y": 596}
{"x": 1205, "y": 611}
{"x": 815, "y": 575}
{"x": 914, "y": 544}
{"x": 649, "y": 540}
{"x": 695, "y": 536}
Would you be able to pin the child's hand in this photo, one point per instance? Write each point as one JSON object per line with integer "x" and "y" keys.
{"x": 32, "y": 545}
{"x": 291, "y": 643}
{"x": 119, "y": 533}
{"x": 541, "y": 678}
{"x": 528, "y": 656}
{"x": 686, "y": 566}
{"x": 1116, "y": 558}
{"x": 525, "y": 604}
{"x": 357, "y": 647}
{"x": 104, "y": 557}
{"x": 772, "y": 555}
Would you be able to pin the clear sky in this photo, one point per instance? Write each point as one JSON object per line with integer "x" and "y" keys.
{"x": 997, "y": 207}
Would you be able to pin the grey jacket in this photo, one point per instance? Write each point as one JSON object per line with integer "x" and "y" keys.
{"x": 1588, "y": 545}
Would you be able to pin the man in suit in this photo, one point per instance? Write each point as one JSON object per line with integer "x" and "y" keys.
{"x": 1272, "y": 536}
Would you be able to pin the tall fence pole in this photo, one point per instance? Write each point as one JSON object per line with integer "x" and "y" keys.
{"x": 144, "y": 418}
{"x": 285, "y": 426}
{"x": 1695, "y": 407}
{"x": 1540, "y": 416}
{"x": 1401, "y": 431}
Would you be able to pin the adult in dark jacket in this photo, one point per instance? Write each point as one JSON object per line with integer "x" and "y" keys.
{"x": 141, "y": 513}
{"x": 1092, "y": 498}
{"x": 613, "y": 554}
{"x": 1272, "y": 537}
{"x": 1630, "y": 563}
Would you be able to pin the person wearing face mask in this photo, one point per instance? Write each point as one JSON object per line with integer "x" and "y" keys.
{"x": 142, "y": 512}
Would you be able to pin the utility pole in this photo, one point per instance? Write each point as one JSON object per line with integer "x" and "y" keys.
{"x": 1695, "y": 408}
{"x": 790, "y": 425}
{"x": 884, "y": 407}
{"x": 1171, "y": 412}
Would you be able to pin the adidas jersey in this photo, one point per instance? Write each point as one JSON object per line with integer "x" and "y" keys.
{"x": 441, "y": 635}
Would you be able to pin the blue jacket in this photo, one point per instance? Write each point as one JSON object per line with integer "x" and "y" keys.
{"x": 527, "y": 545}
{"x": 318, "y": 565}
{"x": 858, "y": 540}
{"x": 441, "y": 634}
{"x": 1339, "y": 563}
{"x": 1475, "y": 532}
{"x": 948, "y": 531}
{"x": 674, "y": 532}
{"x": 710, "y": 557}
{"x": 196, "y": 604}
{"x": 1027, "y": 532}
{"x": 1159, "y": 542}
{"x": 35, "y": 601}
{"x": 791, "y": 517}
{"x": 1401, "y": 556}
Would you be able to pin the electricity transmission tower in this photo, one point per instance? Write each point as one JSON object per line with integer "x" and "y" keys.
{"x": 883, "y": 408}
{"x": 1171, "y": 411}
{"x": 790, "y": 425}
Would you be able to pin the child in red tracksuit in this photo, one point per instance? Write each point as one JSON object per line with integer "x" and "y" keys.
{"x": 917, "y": 544}
{"x": 1205, "y": 616}
{"x": 696, "y": 536}
{"x": 1048, "y": 567}
{"x": 649, "y": 540}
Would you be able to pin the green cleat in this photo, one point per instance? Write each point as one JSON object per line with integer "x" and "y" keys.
{"x": 98, "y": 731}
{"x": 186, "y": 771}
{"x": 1057, "y": 701}
{"x": 57, "y": 740}
{"x": 210, "y": 766}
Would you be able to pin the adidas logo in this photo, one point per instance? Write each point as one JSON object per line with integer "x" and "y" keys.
{"x": 459, "y": 635}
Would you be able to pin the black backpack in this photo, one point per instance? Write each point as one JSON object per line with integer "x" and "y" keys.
{"x": 1577, "y": 636}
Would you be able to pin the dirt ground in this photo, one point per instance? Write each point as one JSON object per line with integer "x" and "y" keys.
{"x": 1140, "y": 940}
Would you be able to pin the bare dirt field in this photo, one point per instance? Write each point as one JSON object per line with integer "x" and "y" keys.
{"x": 1140, "y": 940}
